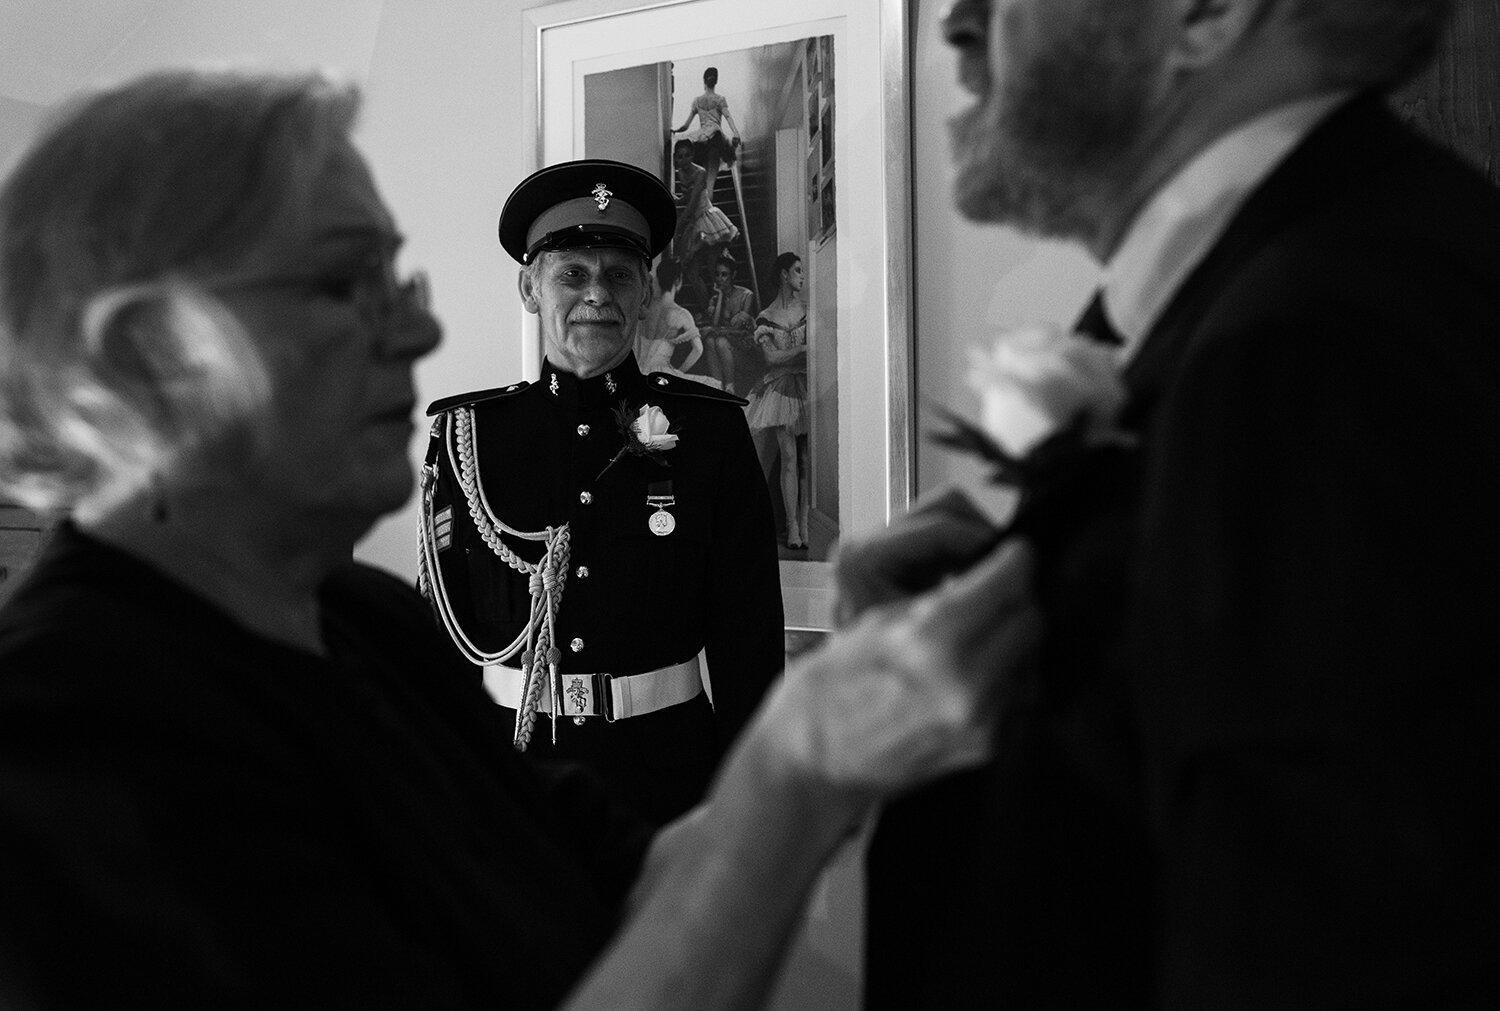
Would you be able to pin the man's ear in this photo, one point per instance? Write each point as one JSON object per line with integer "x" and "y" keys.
{"x": 528, "y": 293}
{"x": 1209, "y": 29}
{"x": 648, "y": 291}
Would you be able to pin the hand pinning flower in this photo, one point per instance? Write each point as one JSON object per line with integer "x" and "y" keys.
{"x": 648, "y": 434}
{"x": 1044, "y": 392}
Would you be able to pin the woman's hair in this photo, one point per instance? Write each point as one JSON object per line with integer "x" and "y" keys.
{"x": 784, "y": 263}
{"x": 683, "y": 143}
{"x": 726, "y": 259}
{"x": 667, "y": 273}
{"x": 116, "y": 360}
{"x": 711, "y": 76}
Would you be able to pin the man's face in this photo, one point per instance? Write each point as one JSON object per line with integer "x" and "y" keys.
{"x": 588, "y": 302}
{"x": 1064, "y": 90}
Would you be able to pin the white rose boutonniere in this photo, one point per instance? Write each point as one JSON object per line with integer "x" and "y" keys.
{"x": 651, "y": 429}
{"x": 1045, "y": 394}
{"x": 648, "y": 433}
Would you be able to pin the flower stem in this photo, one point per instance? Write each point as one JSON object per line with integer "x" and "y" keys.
{"x": 612, "y": 460}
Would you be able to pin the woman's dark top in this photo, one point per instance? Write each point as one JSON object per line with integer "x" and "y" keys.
{"x": 191, "y": 815}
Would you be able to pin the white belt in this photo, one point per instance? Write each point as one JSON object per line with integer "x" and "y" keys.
{"x": 614, "y": 698}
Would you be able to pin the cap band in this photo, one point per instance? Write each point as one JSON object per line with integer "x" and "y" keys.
{"x": 589, "y": 202}
{"x": 570, "y": 222}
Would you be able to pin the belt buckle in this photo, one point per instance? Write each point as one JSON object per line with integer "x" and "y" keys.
{"x": 587, "y": 695}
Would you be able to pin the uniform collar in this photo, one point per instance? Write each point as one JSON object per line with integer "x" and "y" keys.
{"x": 1182, "y": 221}
{"x": 623, "y": 382}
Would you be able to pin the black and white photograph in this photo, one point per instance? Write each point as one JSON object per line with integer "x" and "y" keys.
{"x": 711, "y": 505}
{"x": 773, "y": 293}
{"x": 741, "y": 312}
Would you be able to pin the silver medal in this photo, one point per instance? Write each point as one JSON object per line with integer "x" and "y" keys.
{"x": 662, "y": 523}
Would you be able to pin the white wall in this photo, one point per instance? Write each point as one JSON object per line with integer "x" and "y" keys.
{"x": 443, "y": 129}
{"x": 18, "y": 120}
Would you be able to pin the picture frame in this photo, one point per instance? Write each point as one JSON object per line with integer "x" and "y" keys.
{"x": 603, "y": 78}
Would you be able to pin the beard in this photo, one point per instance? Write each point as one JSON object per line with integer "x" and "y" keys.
{"x": 1051, "y": 147}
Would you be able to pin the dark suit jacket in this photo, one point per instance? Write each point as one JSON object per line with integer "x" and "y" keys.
{"x": 1260, "y": 764}
{"x": 632, "y": 601}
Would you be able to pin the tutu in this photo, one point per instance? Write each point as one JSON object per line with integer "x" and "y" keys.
{"x": 711, "y": 140}
{"x": 697, "y": 377}
{"x": 715, "y": 227}
{"x": 779, "y": 400}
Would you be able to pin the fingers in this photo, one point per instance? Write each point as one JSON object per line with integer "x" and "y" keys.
{"x": 985, "y": 620}
{"x": 990, "y": 589}
{"x": 913, "y": 689}
{"x": 939, "y": 537}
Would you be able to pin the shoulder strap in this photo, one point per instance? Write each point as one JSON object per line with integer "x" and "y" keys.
{"x": 461, "y": 399}
{"x": 666, "y": 382}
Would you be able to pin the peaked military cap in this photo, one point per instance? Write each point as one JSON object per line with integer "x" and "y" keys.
{"x": 591, "y": 202}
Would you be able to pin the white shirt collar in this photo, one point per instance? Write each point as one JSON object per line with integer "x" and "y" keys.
{"x": 1182, "y": 221}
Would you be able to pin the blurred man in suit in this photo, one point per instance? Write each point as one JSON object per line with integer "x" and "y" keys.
{"x": 1256, "y": 763}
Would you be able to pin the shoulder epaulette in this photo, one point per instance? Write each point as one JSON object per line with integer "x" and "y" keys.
{"x": 461, "y": 399}
{"x": 668, "y": 383}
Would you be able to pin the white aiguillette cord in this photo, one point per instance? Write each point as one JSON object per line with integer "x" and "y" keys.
{"x": 537, "y": 641}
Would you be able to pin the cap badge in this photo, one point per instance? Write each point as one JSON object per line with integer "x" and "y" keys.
{"x": 601, "y": 196}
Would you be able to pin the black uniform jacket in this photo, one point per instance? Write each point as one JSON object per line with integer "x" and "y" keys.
{"x": 192, "y": 816}
{"x": 1262, "y": 763}
{"x": 632, "y": 601}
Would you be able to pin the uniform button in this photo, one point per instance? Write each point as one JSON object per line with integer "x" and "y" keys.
{"x": 585, "y": 497}
{"x": 577, "y": 645}
{"x": 583, "y": 430}
{"x": 583, "y": 572}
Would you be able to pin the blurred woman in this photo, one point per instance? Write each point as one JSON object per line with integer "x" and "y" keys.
{"x": 235, "y": 767}
{"x": 778, "y": 402}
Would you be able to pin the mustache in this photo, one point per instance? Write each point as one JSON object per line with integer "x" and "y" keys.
{"x": 595, "y": 316}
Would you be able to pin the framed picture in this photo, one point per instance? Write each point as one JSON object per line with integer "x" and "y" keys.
{"x": 732, "y": 105}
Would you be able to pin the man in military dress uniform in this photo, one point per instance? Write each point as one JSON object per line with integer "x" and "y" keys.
{"x": 586, "y": 536}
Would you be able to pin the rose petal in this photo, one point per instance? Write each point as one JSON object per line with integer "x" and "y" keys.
{"x": 1036, "y": 379}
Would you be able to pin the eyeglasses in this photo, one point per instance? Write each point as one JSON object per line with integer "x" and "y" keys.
{"x": 381, "y": 299}
{"x": 389, "y": 299}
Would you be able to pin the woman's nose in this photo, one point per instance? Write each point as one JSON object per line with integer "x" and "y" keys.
{"x": 414, "y": 331}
